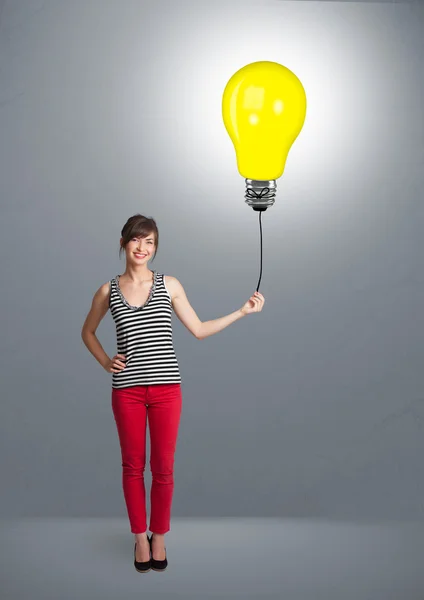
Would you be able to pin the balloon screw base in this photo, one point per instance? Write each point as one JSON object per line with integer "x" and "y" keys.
{"x": 260, "y": 194}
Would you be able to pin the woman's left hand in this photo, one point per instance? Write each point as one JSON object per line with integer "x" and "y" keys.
{"x": 254, "y": 304}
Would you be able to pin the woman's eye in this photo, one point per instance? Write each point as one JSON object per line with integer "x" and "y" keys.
{"x": 135, "y": 239}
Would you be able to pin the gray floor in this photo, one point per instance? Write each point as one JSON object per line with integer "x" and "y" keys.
{"x": 217, "y": 558}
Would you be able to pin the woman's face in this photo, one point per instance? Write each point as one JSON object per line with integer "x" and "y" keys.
{"x": 140, "y": 250}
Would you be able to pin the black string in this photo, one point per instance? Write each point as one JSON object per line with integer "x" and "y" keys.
{"x": 252, "y": 194}
{"x": 260, "y": 226}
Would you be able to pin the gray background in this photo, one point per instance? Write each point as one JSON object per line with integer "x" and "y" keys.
{"x": 315, "y": 406}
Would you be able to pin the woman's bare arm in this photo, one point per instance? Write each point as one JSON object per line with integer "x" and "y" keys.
{"x": 99, "y": 308}
{"x": 189, "y": 318}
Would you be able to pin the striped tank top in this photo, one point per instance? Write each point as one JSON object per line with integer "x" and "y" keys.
{"x": 144, "y": 336}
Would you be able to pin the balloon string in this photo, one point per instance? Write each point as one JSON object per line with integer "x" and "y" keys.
{"x": 260, "y": 227}
{"x": 252, "y": 194}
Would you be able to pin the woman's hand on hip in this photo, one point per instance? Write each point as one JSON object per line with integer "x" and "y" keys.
{"x": 116, "y": 364}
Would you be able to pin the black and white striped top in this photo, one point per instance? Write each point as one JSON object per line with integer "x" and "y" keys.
{"x": 144, "y": 336}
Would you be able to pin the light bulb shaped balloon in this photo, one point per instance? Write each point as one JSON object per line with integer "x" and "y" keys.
{"x": 263, "y": 108}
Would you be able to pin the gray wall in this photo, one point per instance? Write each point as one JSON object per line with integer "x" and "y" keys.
{"x": 315, "y": 406}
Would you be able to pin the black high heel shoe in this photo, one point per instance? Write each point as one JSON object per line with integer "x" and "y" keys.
{"x": 157, "y": 565}
{"x": 142, "y": 567}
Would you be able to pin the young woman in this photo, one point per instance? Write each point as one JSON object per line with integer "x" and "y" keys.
{"x": 146, "y": 381}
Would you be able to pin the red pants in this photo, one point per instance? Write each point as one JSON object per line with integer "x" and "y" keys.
{"x": 161, "y": 404}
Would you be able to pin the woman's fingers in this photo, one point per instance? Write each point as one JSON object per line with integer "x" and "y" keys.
{"x": 259, "y": 300}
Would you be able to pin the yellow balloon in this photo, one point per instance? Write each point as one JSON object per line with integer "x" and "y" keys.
{"x": 263, "y": 108}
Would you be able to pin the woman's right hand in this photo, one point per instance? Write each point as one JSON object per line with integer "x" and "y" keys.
{"x": 116, "y": 364}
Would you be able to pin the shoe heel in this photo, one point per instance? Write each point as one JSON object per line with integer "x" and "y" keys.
{"x": 157, "y": 565}
{"x": 142, "y": 567}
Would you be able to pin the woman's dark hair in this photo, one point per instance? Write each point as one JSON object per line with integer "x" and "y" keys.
{"x": 139, "y": 226}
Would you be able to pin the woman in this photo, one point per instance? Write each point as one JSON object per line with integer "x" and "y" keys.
{"x": 146, "y": 381}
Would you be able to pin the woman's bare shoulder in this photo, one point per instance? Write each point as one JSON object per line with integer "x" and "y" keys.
{"x": 102, "y": 294}
{"x": 99, "y": 307}
{"x": 170, "y": 283}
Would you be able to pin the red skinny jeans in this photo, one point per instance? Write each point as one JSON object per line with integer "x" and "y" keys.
{"x": 161, "y": 405}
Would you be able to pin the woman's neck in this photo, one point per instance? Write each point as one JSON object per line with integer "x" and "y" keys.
{"x": 138, "y": 276}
